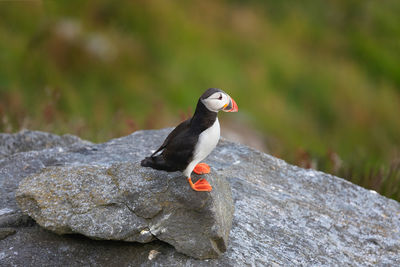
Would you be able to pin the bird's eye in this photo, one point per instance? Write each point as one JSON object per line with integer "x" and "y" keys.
{"x": 220, "y": 97}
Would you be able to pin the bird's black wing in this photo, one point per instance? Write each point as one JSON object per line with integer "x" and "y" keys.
{"x": 182, "y": 127}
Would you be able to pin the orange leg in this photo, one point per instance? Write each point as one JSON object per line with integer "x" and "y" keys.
{"x": 201, "y": 168}
{"x": 200, "y": 185}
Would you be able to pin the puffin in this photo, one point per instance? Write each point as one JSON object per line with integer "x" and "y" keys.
{"x": 193, "y": 139}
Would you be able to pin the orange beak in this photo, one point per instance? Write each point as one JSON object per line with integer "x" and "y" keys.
{"x": 231, "y": 107}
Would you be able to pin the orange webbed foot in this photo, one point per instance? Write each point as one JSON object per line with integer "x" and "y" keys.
{"x": 201, "y": 168}
{"x": 200, "y": 185}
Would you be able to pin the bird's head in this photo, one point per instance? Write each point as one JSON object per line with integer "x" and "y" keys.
{"x": 215, "y": 100}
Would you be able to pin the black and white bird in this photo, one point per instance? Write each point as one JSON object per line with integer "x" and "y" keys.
{"x": 194, "y": 139}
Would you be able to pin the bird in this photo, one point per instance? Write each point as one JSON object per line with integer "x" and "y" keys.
{"x": 193, "y": 139}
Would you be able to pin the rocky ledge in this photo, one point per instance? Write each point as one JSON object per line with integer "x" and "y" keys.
{"x": 128, "y": 202}
{"x": 284, "y": 215}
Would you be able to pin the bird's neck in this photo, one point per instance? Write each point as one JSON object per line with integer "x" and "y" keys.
{"x": 203, "y": 118}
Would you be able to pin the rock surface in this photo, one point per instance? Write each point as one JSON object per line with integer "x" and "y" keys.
{"x": 128, "y": 202}
{"x": 28, "y": 141}
{"x": 284, "y": 215}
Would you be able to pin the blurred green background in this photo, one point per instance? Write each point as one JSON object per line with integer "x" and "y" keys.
{"x": 317, "y": 82}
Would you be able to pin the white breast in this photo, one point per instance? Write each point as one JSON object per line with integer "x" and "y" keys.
{"x": 208, "y": 140}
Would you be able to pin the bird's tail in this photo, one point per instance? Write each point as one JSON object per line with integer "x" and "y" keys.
{"x": 147, "y": 162}
{"x": 153, "y": 162}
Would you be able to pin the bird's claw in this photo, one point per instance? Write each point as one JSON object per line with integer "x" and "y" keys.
{"x": 201, "y": 168}
{"x": 200, "y": 185}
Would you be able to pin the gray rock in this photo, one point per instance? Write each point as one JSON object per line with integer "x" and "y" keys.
{"x": 33, "y": 140}
{"x": 284, "y": 215}
{"x": 128, "y": 202}
{"x": 25, "y": 153}
{"x": 4, "y": 232}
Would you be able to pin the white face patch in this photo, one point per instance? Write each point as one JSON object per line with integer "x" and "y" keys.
{"x": 216, "y": 101}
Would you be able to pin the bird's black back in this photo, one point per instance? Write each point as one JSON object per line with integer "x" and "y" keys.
{"x": 176, "y": 152}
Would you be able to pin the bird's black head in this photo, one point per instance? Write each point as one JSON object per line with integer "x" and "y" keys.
{"x": 209, "y": 92}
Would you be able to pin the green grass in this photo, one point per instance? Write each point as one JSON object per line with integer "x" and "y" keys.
{"x": 320, "y": 79}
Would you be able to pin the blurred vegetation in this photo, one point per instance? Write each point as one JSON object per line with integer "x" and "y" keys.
{"x": 319, "y": 79}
